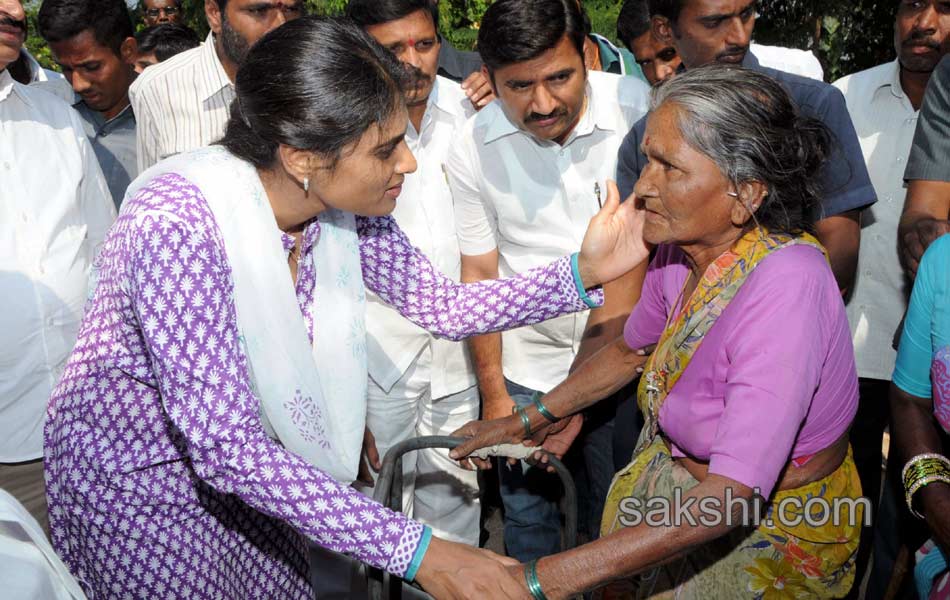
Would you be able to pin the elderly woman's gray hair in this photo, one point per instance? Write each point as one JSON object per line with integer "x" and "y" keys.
{"x": 748, "y": 125}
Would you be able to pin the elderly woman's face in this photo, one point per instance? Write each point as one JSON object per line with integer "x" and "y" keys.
{"x": 684, "y": 193}
{"x": 368, "y": 177}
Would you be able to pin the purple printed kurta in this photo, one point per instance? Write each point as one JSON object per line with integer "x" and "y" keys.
{"x": 161, "y": 480}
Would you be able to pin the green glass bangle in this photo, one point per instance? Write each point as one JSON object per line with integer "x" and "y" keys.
{"x": 531, "y": 579}
{"x": 579, "y": 284}
{"x": 543, "y": 409}
{"x": 525, "y": 421}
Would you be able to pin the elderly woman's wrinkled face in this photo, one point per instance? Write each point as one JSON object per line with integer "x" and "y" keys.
{"x": 686, "y": 196}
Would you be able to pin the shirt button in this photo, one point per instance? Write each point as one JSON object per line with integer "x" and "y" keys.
{"x": 900, "y": 159}
{"x": 6, "y": 165}
{"x": 25, "y": 217}
{"x": 50, "y": 322}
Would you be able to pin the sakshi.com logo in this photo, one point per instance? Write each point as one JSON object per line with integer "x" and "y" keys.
{"x": 740, "y": 511}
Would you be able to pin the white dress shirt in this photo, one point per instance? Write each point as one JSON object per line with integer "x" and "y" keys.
{"x": 55, "y": 209}
{"x": 181, "y": 104}
{"x": 424, "y": 211}
{"x": 885, "y": 121}
{"x": 532, "y": 201}
{"x": 790, "y": 60}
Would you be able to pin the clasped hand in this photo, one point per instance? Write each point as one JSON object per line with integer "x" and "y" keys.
{"x": 554, "y": 439}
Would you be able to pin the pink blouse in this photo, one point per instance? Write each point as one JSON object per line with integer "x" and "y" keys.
{"x": 774, "y": 378}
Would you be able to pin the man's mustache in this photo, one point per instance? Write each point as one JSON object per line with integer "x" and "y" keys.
{"x": 8, "y": 21}
{"x": 539, "y": 117}
{"x": 733, "y": 51}
{"x": 921, "y": 39}
{"x": 417, "y": 77}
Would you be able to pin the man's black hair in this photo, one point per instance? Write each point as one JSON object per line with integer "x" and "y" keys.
{"x": 633, "y": 21}
{"x": 166, "y": 40}
{"x": 375, "y": 12}
{"x": 109, "y": 20}
{"x": 666, "y": 8}
{"x": 514, "y": 31}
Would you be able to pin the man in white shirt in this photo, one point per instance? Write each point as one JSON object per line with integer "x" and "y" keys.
{"x": 184, "y": 103}
{"x": 50, "y": 229}
{"x": 420, "y": 385}
{"x": 523, "y": 174}
{"x": 883, "y": 102}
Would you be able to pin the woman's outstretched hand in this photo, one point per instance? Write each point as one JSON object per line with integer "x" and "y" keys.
{"x": 613, "y": 244}
{"x": 451, "y": 571}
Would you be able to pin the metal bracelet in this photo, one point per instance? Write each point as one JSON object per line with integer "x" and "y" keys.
{"x": 920, "y": 484}
{"x": 525, "y": 421}
{"x": 531, "y": 578}
{"x": 543, "y": 409}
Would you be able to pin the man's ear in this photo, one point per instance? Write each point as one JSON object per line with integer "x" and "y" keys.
{"x": 214, "y": 16}
{"x": 662, "y": 29}
{"x": 491, "y": 79}
{"x": 129, "y": 50}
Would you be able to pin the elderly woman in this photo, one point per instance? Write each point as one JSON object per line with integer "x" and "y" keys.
{"x": 210, "y": 418}
{"x": 751, "y": 387}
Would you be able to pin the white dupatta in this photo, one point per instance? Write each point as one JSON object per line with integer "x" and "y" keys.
{"x": 312, "y": 396}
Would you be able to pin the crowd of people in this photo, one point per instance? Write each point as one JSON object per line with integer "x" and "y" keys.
{"x": 236, "y": 273}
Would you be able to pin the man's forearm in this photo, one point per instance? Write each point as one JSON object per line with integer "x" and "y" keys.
{"x": 841, "y": 237}
{"x": 486, "y": 357}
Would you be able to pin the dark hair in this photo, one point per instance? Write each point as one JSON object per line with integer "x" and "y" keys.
{"x": 514, "y": 31}
{"x": 633, "y": 21}
{"x": 142, "y": 4}
{"x": 747, "y": 124}
{"x": 374, "y": 12}
{"x": 109, "y": 21}
{"x": 666, "y": 8}
{"x": 166, "y": 40}
{"x": 314, "y": 83}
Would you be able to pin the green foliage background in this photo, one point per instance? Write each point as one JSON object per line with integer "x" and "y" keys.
{"x": 846, "y": 35}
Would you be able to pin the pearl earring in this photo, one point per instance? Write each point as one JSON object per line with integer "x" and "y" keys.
{"x": 306, "y": 184}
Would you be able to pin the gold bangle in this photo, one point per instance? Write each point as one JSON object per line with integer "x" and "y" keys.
{"x": 920, "y": 484}
{"x": 920, "y": 471}
{"x": 932, "y": 456}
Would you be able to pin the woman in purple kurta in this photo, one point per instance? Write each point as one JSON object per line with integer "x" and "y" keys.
{"x": 162, "y": 479}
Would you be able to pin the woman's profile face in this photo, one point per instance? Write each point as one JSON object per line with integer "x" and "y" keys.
{"x": 368, "y": 177}
{"x": 684, "y": 193}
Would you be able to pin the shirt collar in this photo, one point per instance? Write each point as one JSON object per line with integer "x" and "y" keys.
{"x": 894, "y": 80}
{"x": 36, "y": 71}
{"x": 212, "y": 78}
{"x": 598, "y": 114}
{"x": 609, "y": 54}
{"x": 6, "y": 84}
{"x": 442, "y": 101}
{"x": 95, "y": 117}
